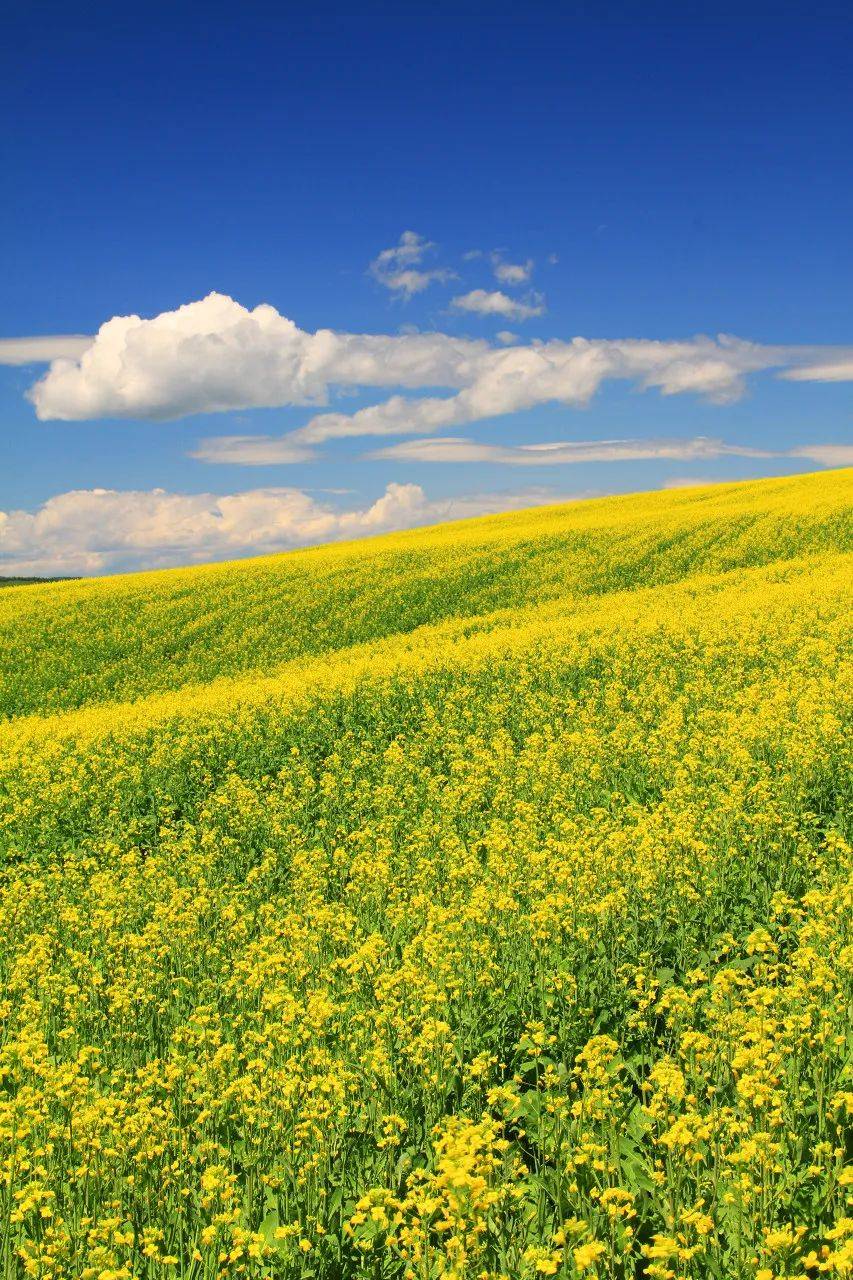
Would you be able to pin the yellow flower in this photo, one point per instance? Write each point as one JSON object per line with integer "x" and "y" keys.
{"x": 586, "y": 1255}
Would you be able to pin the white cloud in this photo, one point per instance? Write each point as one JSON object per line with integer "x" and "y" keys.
{"x": 507, "y": 337}
{"x": 504, "y": 381}
{"x": 397, "y": 269}
{"x": 42, "y": 350}
{"x": 494, "y": 303}
{"x": 412, "y": 280}
{"x": 511, "y": 272}
{"x": 828, "y": 455}
{"x": 411, "y": 249}
{"x": 251, "y": 451}
{"x": 93, "y": 531}
{"x": 561, "y": 452}
{"x": 456, "y": 449}
{"x": 215, "y": 355}
{"x": 840, "y": 370}
{"x": 397, "y": 416}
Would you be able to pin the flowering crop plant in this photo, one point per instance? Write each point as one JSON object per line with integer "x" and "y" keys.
{"x": 472, "y": 903}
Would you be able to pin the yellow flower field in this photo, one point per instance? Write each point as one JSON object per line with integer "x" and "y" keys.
{"x": 474, "y": 902}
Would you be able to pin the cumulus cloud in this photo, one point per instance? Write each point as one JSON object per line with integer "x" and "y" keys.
{"x": 495, "y": 303}
{"x": 42, "y": 350}
{"x": 396, "y": 268}
{"x": 511, "y": 272}
{"x": 216, "y": 355}
{"x": 90, "y": 531}
{"x": 457, "y": 449}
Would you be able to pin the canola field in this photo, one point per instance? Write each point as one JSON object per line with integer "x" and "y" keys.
{"x": 471, "y": 903}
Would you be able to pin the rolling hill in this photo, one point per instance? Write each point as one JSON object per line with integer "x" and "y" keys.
{"x": 468, "y": 902}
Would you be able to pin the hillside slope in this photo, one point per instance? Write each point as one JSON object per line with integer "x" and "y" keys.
{"x": 73, "y": 643}
{"x": 480, "y": 907}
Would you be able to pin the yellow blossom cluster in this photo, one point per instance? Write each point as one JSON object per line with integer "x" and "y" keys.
{"x": 474, "y": 904}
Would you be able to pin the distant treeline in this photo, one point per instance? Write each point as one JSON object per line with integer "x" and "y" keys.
{"x": 28, "y": 582}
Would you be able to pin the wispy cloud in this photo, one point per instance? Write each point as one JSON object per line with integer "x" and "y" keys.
{"x": 511, "y": 273}
{"x": 828, "y": 455}
{"x": 410, "y": 249}
{"x": 396, "y": 268}
{"x": 43, "y": 350}
{"x": 458, "y": 449}
{"x": 560, "y": 452}
{"x": 840, "y": 370}
{"x": 412, "y": 281}
{"x": 509, "y": 380}
{"x": 495, "y": 303}
{"x": 251, "y": 451}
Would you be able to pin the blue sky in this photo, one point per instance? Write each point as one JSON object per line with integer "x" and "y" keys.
{"x": 667, "y": 173}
